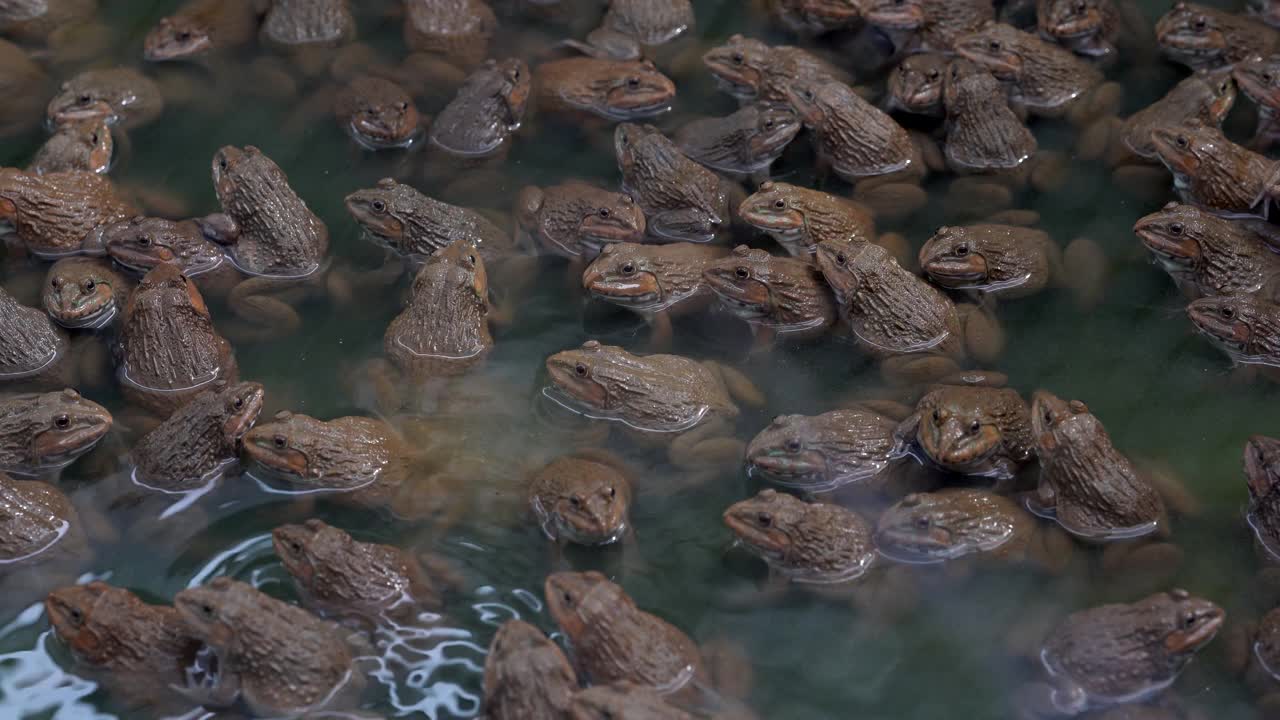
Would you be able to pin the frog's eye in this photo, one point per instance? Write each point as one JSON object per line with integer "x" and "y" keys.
{"x": 764, "y": 519}
{"x": 77, "y": 617}
{"x": 90, "y": 285}
{"x": 1188, "y": 620}
{"x": 1181, "y": 141}
{"x": 737, "y": 58}
{"x": 793, "y": 445}
{"x": 629, "y": 269}
{"x": 1048, "y": 417}
{"x": 184, "y": 36}
{"x": 923, "y": 522}
{"x": 603, "y": 212}
{"x": 780, "y": 204}
{"x": 471, "y": 259}
{"x": 613, "y": 493}
{"x": 281, "y": 442}
{"x": 962, "y": 250}
{"x": 237, "y": 403}
{"x": 567, "y": 598}
{"x": 295, "y": 546}
{"x": 1227, "y": 313}
{"x": 808, "y": 94}
{"x": 994, "y": 46}
{"x": 580, "y": 370}
{"x": 742, "y": 273}
{"x": 1175, "y": 229}
{"x": 368, "y": 110}
{"x": 633, "y": 82}
{"x": 93, "y": 139}
{"x": 403, "y": 106}
{"x": 575, "y": 501}
{"x": 974, "y": 427}
{"x": 1081, "y": 7}
{"x": 933, "y": 74}
{"x": 1200, "y": 23}
{"x": 207, "y": 610}
{"x": 86, "y": 98}
{"x": 62, "y": 422}
{"x": 768, "y": 124}
{"x": 222, "y": 163}
{"x": 1266, "y": 78}
{"x": 840, "y": 258}
{"x": 56, "y": 283}
{"x": 937, "y": 416}
{"x": 144, "y": 241}
{"x": 379, "y": 206}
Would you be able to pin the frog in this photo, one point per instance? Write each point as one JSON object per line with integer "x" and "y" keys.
{"x": 625, "y": 701}
{"x": 413, "y": 225}
{"x": 1012, "y": 261}
{"x": 755, "y": 72}
{"x": 460, "y": 31}
{"x": 1091, "y": 28}
{"x": 1244, "y": 326}
{"x": 38, "y": 21}
{"x": 168, "y": 349}
{"x": 816, "y": 454}
{"x": 297, "y": 25}
{"x": 487, "y": 111}
{"x": 928, "y": 25}
{"x": 810, "y": 18}
{"x": 85, "y": 145}
{"x": 1252, "y": 652}
{"x": 275, "y": 658}
{"x": 85, "y": 293}
{"x": 805, "y": 542}
{"x": 1211, "y": 171}
{"x": 43, "y": 540}
{"x": 629, "y": 26}
{"x": 958, "y": 523}
{"x": 35, "y": 352}
{"x": 377, "y": 113}
{"x": 526, "y": 675}
{"x": 984, "y": 135}
{"x": 682, "y": 201}
{"x": 1203, "y": 37}
{"x": 138, "y": 650}
{"x": 577, "y": 220}
{"x": 1208, "y": 255}
{"x": 1259, "y": 79}
{"x": 1267, "y": 10}
{"x": 1045, "y": 78}
{"x": 783, "y": 298}
{"x": 200, "y": 28}
{"x": 46, "y": 432}
{"x": 971, "y": 430}
{"x": 915, "y": 84}
{"x": 917, "y": 332}
{"x": 659, "y": 282}
{"x": 23, "y": 81}
{"x": 123, "y": 96}
{"x": 361, "y": 583}
{"x": 667, "y": 400}
{"x": 199, "y": 442}
{"x": 1122, "y": 652}
{"x": 1262, "y": 476}
{"x": 609, "y": 90}
{"x": 140, "y": 244}
{"x": 743, "y": 145}
{"x": 582, "y": 498}
{"x": 798, "y": 218}
{"x": 54, "y": 212}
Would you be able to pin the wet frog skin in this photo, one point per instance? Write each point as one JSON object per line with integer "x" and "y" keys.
{"x": 815, "y": 17}
{"x": 54, "y": 212}
{"x": 39, "y": 525}
{"x": 624, "y": 701}
{"x": 743, "y": 144}
{"x": 753, "y": 71}
{"x": 615, "y": 90}
{"x": 819, "y": 453}
{"x": 200, "y": 28}
{"x": 1245, "y": 327}
{"x": 298, "y": 24}
{"x": 682, "y": 201}
{"x": 630, "y": 25}
{"x": 486, "y": 112}
{"x": 798, "y": 218}
{"x": 915, "y": 84}
{"x": 805, "y": 542}
{"x": 458, "y": 29}
{"x": 1005, "y": 261}
{"x": 972, "y": 430}
{"x": 1043, "y": 77}
{"x": 1209, "y": 255}
{"x": 581, "y": 499}
{"x": 377, "y": 113}
{"x": 34, "y": 20}
{"x": 778, "y": 295}
{"x": 577, "y": 220}
{"x": 1088, "y": 28}
{"x": 1211, "y": 171}
{"x": 984, "y": 135}
{"x": 276, "y": 658}
{"x": 1204, "y": 98}
{"x": 84, "y": 145}
{"x": 84, "y": 292}
{"x": 526, "y": 675}
{"x": 929, "y": 25}
{"x": 33, "y": 350}
{"x": 41, "y": 433}
{"x": 1088, "y": 486}
{"x": 1259, "y": 78}
{"x": 141, "y": 244}
{"x": 412, "y": 224}
{"x": 198, "y": 441}
{"x": 1262, "y": 475}
{"x": 122, "y": 96}
{"x": 855, "y": 139}
{"x": 1203, "y": 37}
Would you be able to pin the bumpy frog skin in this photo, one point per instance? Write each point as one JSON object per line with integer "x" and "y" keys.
{"x": 1209, "y": 255}
{"x": 651, "y": 278}
{"x": 1044, "y": 77}
{"x": 198, "y": 441}
{"x": 750, "y": 70}
{"x": 1245, "y": 327}
{"x": 575, "y": 219}
{"x": 460, "y": 30}
{"x": 1262, "y": 474}
{"x": 410, "y": 223}
{"x": 120, "y": 95}
{"x": 580, "y": 500}
{"x": 854, "y": 137}
{"x": 953, "y": 523}
{"x": 1211, "y": 171}
{"x": 1089, "y": 28}
{"x": 32, "y": 348}
{"x": 814, "y": 17}
{"x": 377, "y": 113}
{"x": 609, "y": 89}
{"x": 85, "y": 145}
{"x": 38, "y": 524}
{"x": 88, "y": 293}
{"x": 1006, "y": 261}
{"x": 743, "y": 144}
{"x": 297, "y": 24}
{"x": 979, "y": 431}
{"x": 526, "y": 675}
{"x": 682, "y": 200}
{"x": 44, "y": 432}
{"x": 806, "y": 542}
{"x": 983, "y": 134}
{"x": 1259, "y": 78}
{"x": 1204, "y": 37}
{"x": 799, "y": 218}
{"x": 487, "y": 110}
{"x": 929, "y": 24}
{"x": 53, "y": 213}
{"x": 784, "y": 295}
{"x": 822, "y": 452}
{"x": 141, "y": 244}
{"x": 1204, "y": 98}
{"x": 915, "y": 84}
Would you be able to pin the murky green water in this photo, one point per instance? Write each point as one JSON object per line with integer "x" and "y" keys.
{"x": 1162, "y": 392}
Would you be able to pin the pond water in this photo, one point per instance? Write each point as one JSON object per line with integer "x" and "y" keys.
{"x": 1162, "y": 392}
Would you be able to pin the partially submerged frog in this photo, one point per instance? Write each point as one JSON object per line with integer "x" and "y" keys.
{"x": 667, "y": 400}
{"x": 299, "y": 25}
{"x": 799, "y": 218}
{"x": 1089, "y": 27}
{"x": 1211, "y": 171}
{"x": 682, "y": 201}
{"x": 929, "y": 25}
{"x": 801, "y": 541}
{"x": 753, "y": 71}
{"x": 1245, "y": 327}
{"x": 377, "y": 113}
{"x": 526, "y": 675}
{"x": 1262, "y": 475}
{"x": 820, "y": 453}
{"x": 85, "y": 145}
{"x": 816, "y": 17}
{"x": 276, "y": 658}
{"x": 657, "y": 281}
{"x": 45, "y": 432}
{"x": 41, "y": 538}
{"x": 631, "y": 25}
{"x": 199, "y": 441}
{"x": 1203, "y": 37}
{"x": 1259, "y": 78}
{"x": 1010, "y": 261}
{"x": 577, "y": 220}
{"x": 122, "y": 96}
{"x": 140, "y": 244}
{"x": 200, "y": 28}
{"x": 744, "y": 144}
{"x": 779, "y": 296}
{"x": 412, "y": 224}
{"x": 971, "y": 430}
{"x": 615, "y": 90}
{"x": 984, "y": 135}
{"x": 1209, "y": 255}
{"x": 33, "y": 350}
{"x": 583, "y": 499}
{"x": 915, "y": 84}
{"x": 85, "y": 293}
{"x": 486, "y": 112}
{"x": 53, "y": 213}
{"x": 460, "y": 30}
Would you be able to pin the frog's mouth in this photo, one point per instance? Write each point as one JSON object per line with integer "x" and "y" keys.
{"x": 1077, "y": 26}
{"x": 1004, "y": 65}
{"x": 54, "y": 448}
{"x": 898, "y": 17}
{"x": 906, "y": 542}
{"x": 1208, "y": 42}
{"x": 1261, "y": 92}
{"x": 801, "y": 469}
{"x": 377, "y": 134}
{"x": 1231, "y": 332}
{"x": 963, "y": 454}
{"x": 599, "y": 230}
{"x": 1207, "y": 624}
{"x": 85, "y": 111}
{"x": 948, "y": 270}
{"x": 638, "y": 291}
{"x": 745, "y": 298}
{"x": 769, "y": 144}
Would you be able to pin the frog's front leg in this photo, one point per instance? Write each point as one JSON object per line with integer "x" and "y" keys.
{"x": 254, "y": 300}
{"x": 685, "y": 225}
{"x": 707, "y": 447}
{"x": 740, "y": 387}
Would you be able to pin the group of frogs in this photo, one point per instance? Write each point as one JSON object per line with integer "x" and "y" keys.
{"x": 947, "y": 466}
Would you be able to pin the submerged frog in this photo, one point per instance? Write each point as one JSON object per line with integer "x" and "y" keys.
{"x": 971, "y": 430}
{"x": 626, "y": 701}
{"x": 526, "y": 675}
{"x": 929, "y": 25}
{"x": 673, "y": 401}
{"x": 122, "y": 96}
{"x": 1259, "y": 78}
{"x": 820, "y": 453}
{"x": 53, "y": 213}
{"x": 168, "y": 349}
{"x": 276, "y": 658}
{"x": 984, "y": 135}
{"x": 583, "y": 499}
{"x": 801, "y": 541}
{"x": 200, "y": 28}
{"x": 1010, "y": 261}
{"x": 298, "y": 25}
{"x": 1245, "y": 327}
{"x": 779, "y": 296}
{"x": 798, "y": 218}
{"x": 742, "y": 145}
{"x": 630, "y": 25}
{"x": 1211, "y": 171}
{"x": 1203, "y": 37}
{"x": 682, "y": 201}
{"x": 815, "y": 17}
{"x": 85, "y": 293}
{"x": 577, "y": 220}
{"x": 23, "y": 82}
{"x": 460, "y": 30}
{"x": 657, "y": 281}
{"x": 377, "y": 113}
{"x": 753, "y": 71}
{"x": 45, "y": 432}
{"x": 412, "y": 224}
{"x": 1209, "y": 255}
{"x": 486, "y": 112}
{"x": 85, "y": 145}
{"x": 616, "y": 90}
{"x": 196, "y": 444}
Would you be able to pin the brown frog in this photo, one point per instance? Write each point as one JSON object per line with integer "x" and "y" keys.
{"x": 1086, "y": 484}
{"x": 363, "y": 582}
{"x": 526, "y": 675}
{"x": 33, "y": 350}
{"x": 984, "y": 135}
{"x": 930, "y": 25}
{"x": 410, "y": 223}
{"x": 45, "y": 432}
{"x": 1211, "y": 171}
{"x": 799, "y": 218}
{"x": 1245, "y": 327}
{"x": 41, "y": 538}
{"x": 1262, "y": 475}
{"x": 84, "y": 145}
{"x": 200, "y": 28}
{"x": 615, "y": 90}
{"x": 137, "y": 649}
{"x": 460, "y": 29}
{"x": 667, "y": 400}
{"x": 1267, "y": 10}
{"x": 657, "y": 281}
{"x": 122, "y": 96}
{"x": 781, "y": 297}
{"x": 815, "y": 17}
{"x": 377, "y": 113}
{"x": 1088, "y": 27}
{"x": 275, "y": 658}
{"x": 37, "y": 20}
{"x": 302, "y": 24}
{"x": 803, "y": 542}
{"x": 971, "y": 430}
{"x": 53, "y": 213}
{"x": 630, "y": 25}
{"x": 682, "y": 201}
{"x": 915, "y": 84}
{"x": 898, "y": 317}
{"x": 742, "y": 145}
{"x": 1259, "y": 78}
{"x": 1254, "y": 650}
{"x": 1120, "y": 653}
{"x": 956, "y": 523}
{"x": 1209, "y": 255}
{"x": 1203, "y": 37}
{"x": 625, "y": 701}
{"x": 486, "y": 112}
{"x": 583, "y": 499}
{"x": 578, "y": 220}
{"x": 753, "y": 71}
{"x": 140, "y": 244}
{"x": 198, "y": 442}
{"x": 820, "y": 453}
{"x": 85, "y": 293}
{"x": 23, "y": 82}
{"x": 1010, "y": 261}
{"x": 168, "y": 349}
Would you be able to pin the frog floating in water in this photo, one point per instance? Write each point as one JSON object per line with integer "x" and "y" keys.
{"x": 631, "y": 25}
{"x": 614, "y": 90}
{"x": 488, "y": 109}
{"x": 526, "y": 675}
{"x": 742, "y": 145}
{"x": 928, "y": 25}
{"x": 85, "y": 293}
{"x": 1203, "y": 37}
{"x": 201, "y": 28}
{"x": 583, "y": 498}
{"x": 85, "y": 145}
{"x": 412, "y": 224}
{"x": 578, "y": 220}
{"x": 816, "y": 17}
{"x": 783, "y": 298}
{"x": 1209, "y": 255}
{"x": 121, "y": 96}
{"x": 971, "y": 430}
{"x": 460, "y": 31}
{"x": 1245, "y": 327}
{"x": 1211, "y": 171}
{"x": 377, "y": 113}
{"x": 803, "y": 542}
{"x": 199, "y": 440}
{"x": 820, "y": 453}
{"x": 799, "y": 218}
{"x": 45, "y": 432}
{"x": 140, "y": 244}
{"x": 755, "y": 72}
{"x": 53, "y": 213}
{"x": 1259, "y": 79}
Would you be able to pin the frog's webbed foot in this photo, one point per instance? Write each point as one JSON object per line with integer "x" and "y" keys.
{"x": 685, "y": 225}
{"x": 983, "y": 336}
{"x": 740, "y": 387}
{"x": 1084, "y": 271}
{"x": 707, "y": 447}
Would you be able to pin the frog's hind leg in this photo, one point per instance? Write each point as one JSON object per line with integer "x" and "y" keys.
{"x": 1084, "y": 271}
